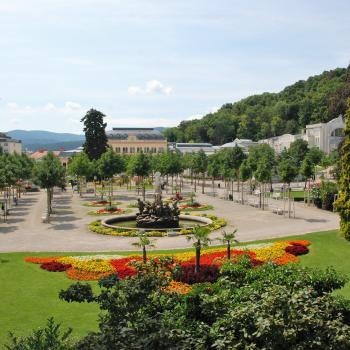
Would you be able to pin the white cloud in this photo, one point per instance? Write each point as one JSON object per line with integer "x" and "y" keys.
{"x": 68, "y": 108}
{"x": 152, "y": 87}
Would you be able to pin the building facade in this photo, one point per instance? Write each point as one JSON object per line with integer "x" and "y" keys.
{"x": 324, "y": 136}
{"x": 10, "y": 145}
{"x": 136, "y": 140}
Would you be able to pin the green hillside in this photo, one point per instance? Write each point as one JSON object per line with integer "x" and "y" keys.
{"x": 320, "y": 98}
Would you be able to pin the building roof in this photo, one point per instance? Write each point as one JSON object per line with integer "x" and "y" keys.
{"x": 39, "y": 154}
{"x": 139, "y": 133}
{"x": 6, "y": 138}
{"x": 193, "y": 145}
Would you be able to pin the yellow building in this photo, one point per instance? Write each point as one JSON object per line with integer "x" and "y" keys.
{"x": 135, "y": 140}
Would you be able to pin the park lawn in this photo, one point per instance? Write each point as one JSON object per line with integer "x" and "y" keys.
{"x": 29, "y": 295}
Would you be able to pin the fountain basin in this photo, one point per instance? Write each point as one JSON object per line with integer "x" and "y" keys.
{"x": 184, "y": 219}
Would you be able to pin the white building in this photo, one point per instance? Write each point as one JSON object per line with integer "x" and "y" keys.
{"x": 245, "y": 144}
{"x": 325, "y": 136}
{"x": 184, "y": 148}
{"x": 10, "y": 145}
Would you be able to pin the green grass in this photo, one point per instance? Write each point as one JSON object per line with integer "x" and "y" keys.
{"x": 29, "y": 295}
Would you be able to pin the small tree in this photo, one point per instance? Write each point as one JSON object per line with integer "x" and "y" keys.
{"x": 140, "y": 165}
{"x": 200, "y": 236}
{"x": 228, "y": 238}
{"x": 49, "y": 173}
{"x": 343, "y": 202}
{"x": 95, "y": 136}
{"x": 80, "y": 166}
{"x": 108, "y": 165}
{"x": 214, "y": 165}
{"x": 200, "y": 160}
{"x": 143, "y": 243}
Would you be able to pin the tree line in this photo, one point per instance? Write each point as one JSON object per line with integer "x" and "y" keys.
{"x": 318, "y": 99}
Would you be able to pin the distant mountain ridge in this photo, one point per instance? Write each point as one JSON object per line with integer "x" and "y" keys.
{"x": 36, "y": 139}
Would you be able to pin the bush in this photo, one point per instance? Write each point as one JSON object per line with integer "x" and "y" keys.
{"x": 207, "y": 273}
{"x": 327, "y": 191}
{"x": 48, "y": 338}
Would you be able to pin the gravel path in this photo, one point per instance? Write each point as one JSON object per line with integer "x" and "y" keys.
{"x": 67, "y": 231}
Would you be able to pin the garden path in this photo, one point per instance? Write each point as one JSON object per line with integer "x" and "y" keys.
{"x": 68, "y": 230}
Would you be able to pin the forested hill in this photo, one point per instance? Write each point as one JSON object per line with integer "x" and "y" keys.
{"x": 320, "y": 98}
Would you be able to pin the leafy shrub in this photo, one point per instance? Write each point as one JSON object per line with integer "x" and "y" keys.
{"x": 297, "y": 249}
{"x": 207, "y": 273}
{"x": 48, "y": 338}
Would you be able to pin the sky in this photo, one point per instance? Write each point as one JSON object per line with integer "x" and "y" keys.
{"x": 157, "y": 62}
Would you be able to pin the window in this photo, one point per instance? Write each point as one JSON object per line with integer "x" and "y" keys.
{"x": 146, "y": 149}
{"x": 125, "y": 149}
{"x": 132, "y": 150}
{"x": 117, "y": 149}
{"x": 139, "y": 149}
{"x": 337, "y": 132}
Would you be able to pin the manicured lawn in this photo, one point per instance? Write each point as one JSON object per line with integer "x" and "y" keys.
{"x": 29, "y": 295}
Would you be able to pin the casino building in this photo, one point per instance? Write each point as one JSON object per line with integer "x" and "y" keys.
{"x": 135, "y": 140}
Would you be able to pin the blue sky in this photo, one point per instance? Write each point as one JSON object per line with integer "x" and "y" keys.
{"x": 155, "y": 63}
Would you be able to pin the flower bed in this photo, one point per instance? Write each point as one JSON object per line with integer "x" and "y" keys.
{"x": 96, "y": 267}
{"x": 105, "y": 211}
{"x": 99, "y": 203}
{"x": 195, "y": 207}
{"x": 97, "y": 227}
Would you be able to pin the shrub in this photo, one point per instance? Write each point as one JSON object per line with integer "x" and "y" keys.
{"x": 297, "y": 249}
{"x": 55, "y": 266}
{"x": 207, "y": 273}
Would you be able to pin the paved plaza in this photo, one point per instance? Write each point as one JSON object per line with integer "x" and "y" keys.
{"x": 25, "y": 232}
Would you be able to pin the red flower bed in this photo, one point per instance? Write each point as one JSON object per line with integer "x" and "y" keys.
{"x": 207, "y": 273}
{"x": 54, "y": 266}
{"x": 100, "y": 203}
{"x": 122, "y": 268}
{"x": 104, "y": 211}
{"x": 297, "y": 249}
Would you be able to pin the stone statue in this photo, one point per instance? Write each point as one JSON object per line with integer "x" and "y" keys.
{"x": 157, "y": 214}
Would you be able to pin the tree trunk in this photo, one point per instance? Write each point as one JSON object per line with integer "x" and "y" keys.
{"x": 144, "y": 254}
{"x": 172, "y": 184}
{"x": 143, "y": 190}
{"x": 228, "y": 250}
{"x": 195, "y": 184}
{"x": 198, "y": 257}
{"x": 213, "y": 185}
{"x": 237, "y": 175}
{"x": 48, "y": 199}
{"x": 203, "y": 183}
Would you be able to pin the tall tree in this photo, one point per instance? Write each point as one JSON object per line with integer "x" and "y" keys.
{"x": 343, "y": 202}
{"x": 95, "y": 136}
{"x": 298, "y": 150}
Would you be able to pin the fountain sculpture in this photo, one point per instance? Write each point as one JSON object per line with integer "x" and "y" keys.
{"x": 157, "y": 214}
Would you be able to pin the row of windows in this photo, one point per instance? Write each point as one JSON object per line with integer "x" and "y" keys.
{"x": 132, "y": 150}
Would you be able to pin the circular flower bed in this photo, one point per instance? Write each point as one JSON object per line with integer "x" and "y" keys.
{"x": 96, "y": 267}
{"x": 97, "y": 227}
{"x": 297, "y": 249}
{"x": 99, "y": 203}
{"x": 109, "y": 211}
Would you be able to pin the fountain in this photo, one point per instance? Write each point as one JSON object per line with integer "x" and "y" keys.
{"x": 157, "y": 216}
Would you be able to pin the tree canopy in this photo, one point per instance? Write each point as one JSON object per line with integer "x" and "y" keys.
{"x": 320, "y": 98}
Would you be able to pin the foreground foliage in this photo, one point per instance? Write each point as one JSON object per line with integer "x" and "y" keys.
{"x": 268, "y": 307}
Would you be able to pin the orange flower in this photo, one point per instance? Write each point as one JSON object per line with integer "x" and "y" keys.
{"x": 286, "y": 258}
{"x": 177, "y": 287}
{"x": 300, "y": 242}
{"x": 80, "y": 275}
{"x": 41, "y": 260}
